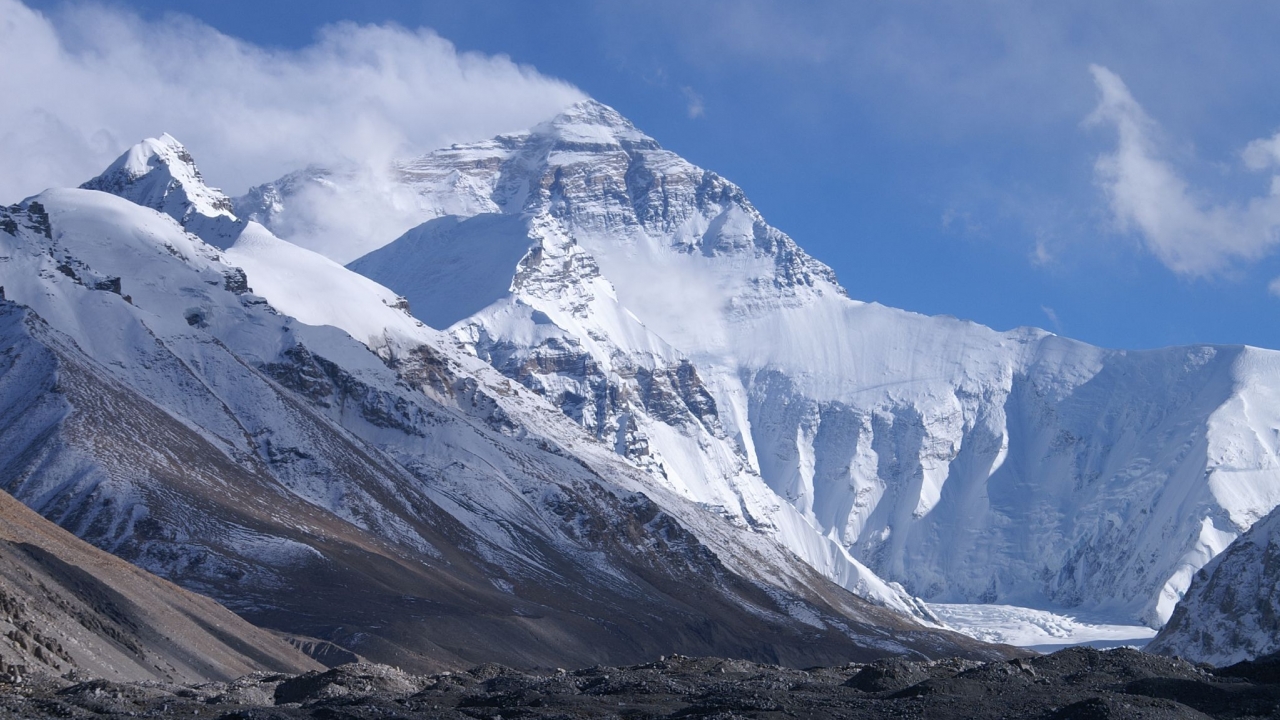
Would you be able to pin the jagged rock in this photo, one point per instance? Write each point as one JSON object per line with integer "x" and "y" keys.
{"x": 1231, "y": 613}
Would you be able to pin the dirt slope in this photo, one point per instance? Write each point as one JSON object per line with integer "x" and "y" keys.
{"x": 67, "y": 606}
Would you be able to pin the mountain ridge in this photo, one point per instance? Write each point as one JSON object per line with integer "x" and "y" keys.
{"x": 863, "y": 418}
{"x": 349, "y": 475}
{"x": 708, "y": 362}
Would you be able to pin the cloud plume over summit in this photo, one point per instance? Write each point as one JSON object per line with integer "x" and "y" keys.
{"x": 83, "y": 84}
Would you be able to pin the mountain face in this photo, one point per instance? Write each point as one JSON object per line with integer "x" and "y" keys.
{"x": 67, "y": 607}
{"x": 257, "y": 423}
{"x": 650, "y": 302}
{"x": 1231, "y": 613}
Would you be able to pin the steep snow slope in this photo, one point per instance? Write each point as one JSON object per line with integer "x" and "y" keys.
{"x": 655, "y": 306}
{"x": 312, "y": 288}
{"x": 386, "y": 492}
{"x": 1231, "y": 613}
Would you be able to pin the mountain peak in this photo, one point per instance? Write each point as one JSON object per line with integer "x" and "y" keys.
{"x": 591, "y": 123}
{"x": 153, "y": 152}
{"x": 160, "y": 173}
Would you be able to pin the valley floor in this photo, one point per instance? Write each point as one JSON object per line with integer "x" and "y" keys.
{"x": 1039, "y": 630}
{"x": 1074, "y": 683}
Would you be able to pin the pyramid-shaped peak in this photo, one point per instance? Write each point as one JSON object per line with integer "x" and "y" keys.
{"x": 591, "y": 122}
{"x": 150, "y": 154}
{"x": 592, "y": 112}
{"x": 159, "y": 173}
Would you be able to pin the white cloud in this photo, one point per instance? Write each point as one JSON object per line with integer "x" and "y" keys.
{"x": 81, "y": 86}
{"x": 1189, "y": 234}
{"x": 696, "y": 108}
{"x": 1040, "y": 253}
{"x": 1262, "y": 153}
{"x": 1053, "y": 317}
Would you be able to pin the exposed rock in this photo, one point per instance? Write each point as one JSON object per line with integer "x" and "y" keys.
{"x": 1231, "y": 612}
{"x": 1072, "y": 684}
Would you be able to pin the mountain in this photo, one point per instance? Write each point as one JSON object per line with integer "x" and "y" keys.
{"x": 67, "y": 607}
{"x": 259, "y": 424}
{"x": 160, "y": 174}
{"x": 653, "y": 304}
{"x": 1231, "y": 613}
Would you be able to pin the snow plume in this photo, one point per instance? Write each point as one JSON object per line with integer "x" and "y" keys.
{"x": 82, "y": 85}
{"x": 1190, "y": 235}
{"x": 1053, "y": 317}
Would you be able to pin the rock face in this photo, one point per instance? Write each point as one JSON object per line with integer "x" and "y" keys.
{"x": 1077, "y": 683}
{"x": 1231, "y": 613}
{"x": 261, "y": 425}
{"x": 69, "y": 608}
{"x": 650, "y": 302}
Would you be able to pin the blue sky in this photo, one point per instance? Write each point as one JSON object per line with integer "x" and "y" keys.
{"x": 1088, "y": 170}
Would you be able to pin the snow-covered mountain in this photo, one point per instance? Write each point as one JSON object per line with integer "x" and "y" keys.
{"x": 1231, "y": 613}
{"x": 160, "y": 174}
{"x": 255, "y": 422}
{"x": 651, "y": 302}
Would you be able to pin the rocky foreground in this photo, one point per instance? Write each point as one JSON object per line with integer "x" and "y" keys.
{"x": 1073, "y": 683}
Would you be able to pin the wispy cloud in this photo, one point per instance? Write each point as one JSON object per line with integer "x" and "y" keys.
{"x": 82, "y": 85}
{"x": 963, "y": 222}
{"x": 696, "y": 107}
{"x": 1041, "y": 254}
{"x": 1053, "y": 318}
{"x": 1262, "y": 153}
{"x": 1188, "y": 233}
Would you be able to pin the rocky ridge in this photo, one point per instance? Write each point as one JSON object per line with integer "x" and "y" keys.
{"x": 1231, "y": 613}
